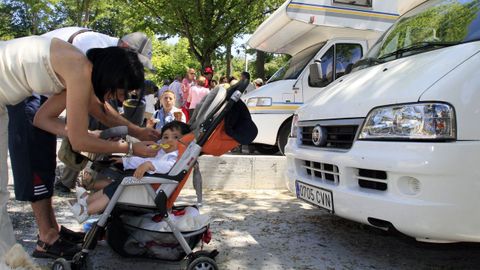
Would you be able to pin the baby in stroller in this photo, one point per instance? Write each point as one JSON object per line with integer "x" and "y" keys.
{"x": 162, "y": 163}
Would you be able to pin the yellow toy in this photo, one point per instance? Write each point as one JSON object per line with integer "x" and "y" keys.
{"x": 162, "y": 145}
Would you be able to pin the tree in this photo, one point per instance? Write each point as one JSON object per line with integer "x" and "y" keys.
{"x": 171, "y": 60}
{"x": 28, "y": 17}
{"x": 206, "y": 24}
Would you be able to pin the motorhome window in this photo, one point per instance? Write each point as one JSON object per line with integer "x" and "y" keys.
{"x": 432, "y": 25}
{"x": 296, "y": 64}
{"x": 345, "y": 56}
{"x": 363, "y": 3}
{"x": 327, "y": 69}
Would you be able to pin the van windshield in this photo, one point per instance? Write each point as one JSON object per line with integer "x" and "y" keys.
{"x": 433, "y": 25}
{"x": 296, "y": 64}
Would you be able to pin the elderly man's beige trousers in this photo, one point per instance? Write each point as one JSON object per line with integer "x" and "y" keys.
{"x": 7, "y": 238}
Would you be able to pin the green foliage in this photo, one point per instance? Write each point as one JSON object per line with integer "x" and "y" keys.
{"x": 171, "y": 60}
{"x": 206, "y": 24}
{"x": 27, "y": 17}
{"x": 275, "y": 63}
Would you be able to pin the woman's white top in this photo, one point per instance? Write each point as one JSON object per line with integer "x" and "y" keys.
{"x": 25, "y": 68}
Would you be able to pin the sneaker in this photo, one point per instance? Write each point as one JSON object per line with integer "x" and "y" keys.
{"x": 79, "y": 212}
{"x": 82, "y": 195}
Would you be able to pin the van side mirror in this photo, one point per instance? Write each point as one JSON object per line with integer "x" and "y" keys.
{"x": 316, "y": 73}
{"x": 349, "y": 68}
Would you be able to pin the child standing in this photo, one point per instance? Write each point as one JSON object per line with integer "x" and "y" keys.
{"x": 162, "y": 163}
{"x": 167, "y": 112}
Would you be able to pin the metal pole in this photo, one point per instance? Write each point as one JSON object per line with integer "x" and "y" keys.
{"x": 246, "y": 58}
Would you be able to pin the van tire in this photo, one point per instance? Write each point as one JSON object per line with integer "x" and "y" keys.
{"x": 266, "y": 149}
{"x": 283, "y": 135}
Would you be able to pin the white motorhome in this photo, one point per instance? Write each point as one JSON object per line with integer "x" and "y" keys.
{"x": 335, "y": 32}
{"x": 395, "y": 144}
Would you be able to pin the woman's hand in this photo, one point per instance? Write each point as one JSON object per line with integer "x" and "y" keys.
{"x": 148, "y": 134}
{"x": 116, "y": 159}
{"x": 144, "y": 149}
{"x": 151, "y": 122}
{"x": 142, "y": 169}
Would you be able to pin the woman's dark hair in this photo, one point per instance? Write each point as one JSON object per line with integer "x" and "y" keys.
{"x": 115, "y": 68}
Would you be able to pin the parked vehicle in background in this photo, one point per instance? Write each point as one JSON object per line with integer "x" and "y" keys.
{"x": 396, "y": 144}
{"x": 336, "y": 33}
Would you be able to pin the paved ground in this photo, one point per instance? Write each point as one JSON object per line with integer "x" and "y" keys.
{"x": 273, "y": 230}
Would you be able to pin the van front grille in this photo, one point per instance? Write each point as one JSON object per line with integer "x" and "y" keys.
{"x": 372, "y": 179}
{"x": 322, "y": 172}
{"x": 341, "y": 137}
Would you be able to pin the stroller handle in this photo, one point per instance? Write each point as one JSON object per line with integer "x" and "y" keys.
{"x": 240, "y": 86}
{"x": 233, "y": 95}
{"x": 114, "y": 132}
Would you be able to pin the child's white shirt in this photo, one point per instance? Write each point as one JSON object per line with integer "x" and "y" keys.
{"x": 162, "y": 162}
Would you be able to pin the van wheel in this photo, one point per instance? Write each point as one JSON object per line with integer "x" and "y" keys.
{"x": 283, "y": 136}
{"x": 266, "y": 149}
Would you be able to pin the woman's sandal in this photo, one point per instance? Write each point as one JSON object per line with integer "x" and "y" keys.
{"x": 59, "y": 249}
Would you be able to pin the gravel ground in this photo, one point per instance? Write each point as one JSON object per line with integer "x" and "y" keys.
{"x": 273, "y": 230}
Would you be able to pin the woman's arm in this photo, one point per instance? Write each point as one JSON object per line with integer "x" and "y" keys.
{"x": 46, "y": 117}
{"x": 74, "y": 71}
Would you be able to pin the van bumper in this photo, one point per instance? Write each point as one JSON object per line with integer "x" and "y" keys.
{"x": 430, "y": 191}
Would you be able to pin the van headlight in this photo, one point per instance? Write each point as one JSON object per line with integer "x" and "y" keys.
{"x": 295, "y": 129}
{"x": 419, "y": 121}
{"x": 259, "y": 101}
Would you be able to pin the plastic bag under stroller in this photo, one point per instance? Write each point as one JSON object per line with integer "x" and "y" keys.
{"x": 134, "y": 240}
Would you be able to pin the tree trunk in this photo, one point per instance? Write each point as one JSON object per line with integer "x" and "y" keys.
{"x": 79, "y": 11}
{"x": 206, "y": 60}
{"x": 86, "y": 12}
{"x": 229, "y": 59}
{"x": 260, "y": 65}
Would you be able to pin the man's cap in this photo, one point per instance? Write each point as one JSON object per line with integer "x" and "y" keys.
{"x": 258, "y": 81}
{"x": 208, "y": 70}
{"x": 140, "y": 43}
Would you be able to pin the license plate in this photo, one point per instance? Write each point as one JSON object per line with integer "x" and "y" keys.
{"x": 315, "y": 195}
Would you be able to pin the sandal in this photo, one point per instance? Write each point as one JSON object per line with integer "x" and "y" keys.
{"x": 59, "y": 249}
{"x": 72, "y": 236}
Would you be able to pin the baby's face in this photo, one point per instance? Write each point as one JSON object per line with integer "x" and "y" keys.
{"x": 171, "y": 137}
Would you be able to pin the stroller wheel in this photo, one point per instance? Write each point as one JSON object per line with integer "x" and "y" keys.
{"x": 61, "y": 264}
{"x": 202, "y": 263}
{"x": 81, "y": 261}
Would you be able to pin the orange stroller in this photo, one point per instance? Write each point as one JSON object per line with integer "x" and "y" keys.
{"x": 220, "y": 123}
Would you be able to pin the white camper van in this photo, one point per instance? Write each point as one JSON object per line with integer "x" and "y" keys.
{"x": 335, "y": 32}
{"x": 396, "y": 144}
